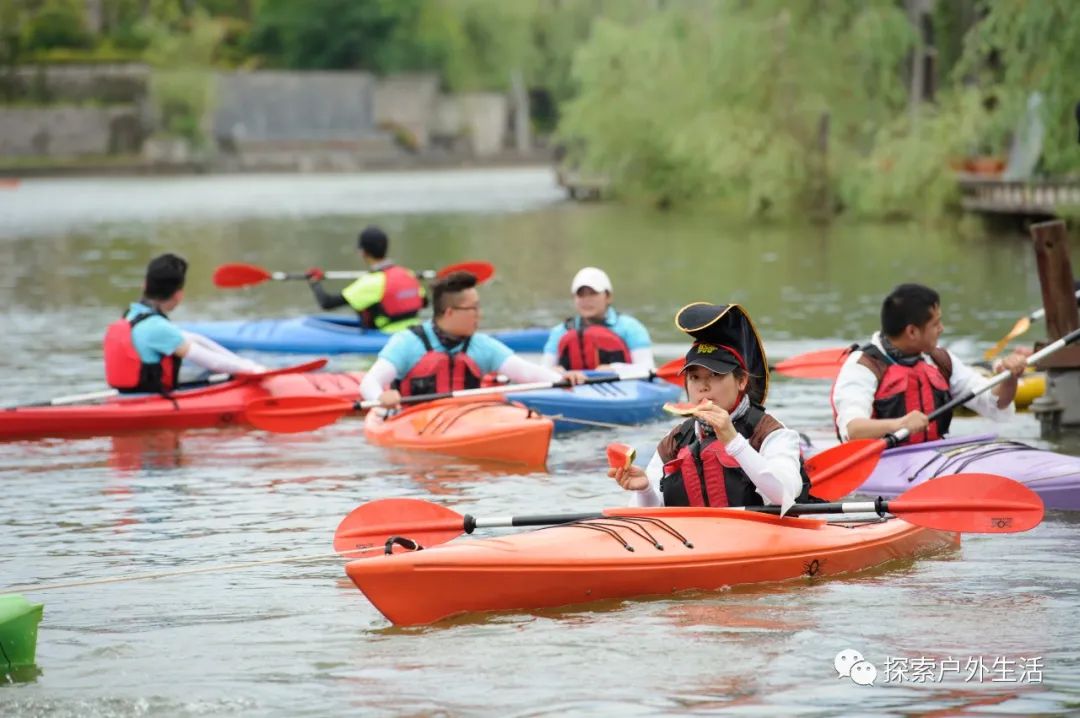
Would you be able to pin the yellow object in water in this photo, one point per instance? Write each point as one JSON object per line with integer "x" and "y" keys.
{"x": 1032, "y": 386}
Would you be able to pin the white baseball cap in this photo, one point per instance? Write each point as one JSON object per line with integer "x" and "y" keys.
{"x": 591, "y": 277}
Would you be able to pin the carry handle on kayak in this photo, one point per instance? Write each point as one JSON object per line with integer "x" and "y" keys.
{"x": 977, "y": 503}
{"x": 842, "y": 469}
{"x": 291, "y": 414}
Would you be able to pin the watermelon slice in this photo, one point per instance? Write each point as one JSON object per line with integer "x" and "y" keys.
{"x": 620, "y": 456}
{"x": 680, "y": 408}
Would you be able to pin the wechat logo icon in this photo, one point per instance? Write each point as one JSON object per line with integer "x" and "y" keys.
{"x": 849, "y": 663}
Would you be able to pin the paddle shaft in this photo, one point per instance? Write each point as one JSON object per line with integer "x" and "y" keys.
{"x": 212, "y": 379}
{"x": 101, "y": 395}
{"x": 279, "y": 276}
{"x": 878, "y": 506}
{"x": 509, "y": 388}
{"x": 896, "y": 437}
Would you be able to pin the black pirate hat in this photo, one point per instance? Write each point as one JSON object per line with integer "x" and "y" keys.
{"x": 725, "y": 338}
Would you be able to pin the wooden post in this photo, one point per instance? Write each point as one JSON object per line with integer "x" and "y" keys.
{"x": 1051, "y": 242}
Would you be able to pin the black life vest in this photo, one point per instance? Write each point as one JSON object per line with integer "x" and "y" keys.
{"x": 126, "y": 371}
{"x": 587, "y": 345}
{"x": 440, "y": 371}
{"x": 702, "y": 473}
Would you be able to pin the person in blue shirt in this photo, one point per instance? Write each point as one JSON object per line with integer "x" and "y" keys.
{"x": 598, "y": 337}
{"x": 144, "y": 350}
{"x": 448, "y": 353}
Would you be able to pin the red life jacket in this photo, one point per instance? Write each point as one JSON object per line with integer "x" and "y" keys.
{"x": 903, "y": 389}
{"x": 440, "y": 371}
{"x": 402, "y": 298}
{"x": 588, "y": 345}
{"x": 126, "y": 371}
{"x": 704, "y": 474}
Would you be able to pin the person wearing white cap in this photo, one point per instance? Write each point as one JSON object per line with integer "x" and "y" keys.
{"x": 598, "y": 337}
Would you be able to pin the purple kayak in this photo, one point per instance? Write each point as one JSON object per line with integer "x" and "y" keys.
{"x": 1054, "y": 477}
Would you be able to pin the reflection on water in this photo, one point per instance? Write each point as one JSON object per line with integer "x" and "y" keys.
{"x": 301, "y": 640}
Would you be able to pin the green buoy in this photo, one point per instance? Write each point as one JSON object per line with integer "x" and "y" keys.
{"x": 19, "y": 621}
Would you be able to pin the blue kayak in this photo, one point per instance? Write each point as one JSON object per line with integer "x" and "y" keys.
{"x": 621, "y": 402}
{"x": 327, "y": 334}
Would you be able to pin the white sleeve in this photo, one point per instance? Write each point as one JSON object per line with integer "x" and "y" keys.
{"x": 519, "y": 371}
{"x": 965, "y": 379}
{"x": 853, "y": 393}
{"x": 775, "y": 470}
{"x": 650, "y": 496}
{"x": 377, "y": 379}
{"x": 640, "y": 359}
{"x": 551, "y": 361}
{"x": 211, "y": 355}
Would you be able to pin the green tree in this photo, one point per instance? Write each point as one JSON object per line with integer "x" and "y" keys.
{"x": 1023, "y": 47}
{"x": 182, "y": 83}
{"x": 730, "y": 102}
{"x": 59, "y": 24}
{"x": 376, "y": 35}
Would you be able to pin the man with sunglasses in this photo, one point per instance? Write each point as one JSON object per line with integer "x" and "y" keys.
{"x": 448, "y": 353}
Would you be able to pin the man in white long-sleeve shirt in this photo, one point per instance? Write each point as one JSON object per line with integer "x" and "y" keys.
{"x": 902, "y": 375}
{"x": 731, "y": 453}
{"x": 447, "y": 353}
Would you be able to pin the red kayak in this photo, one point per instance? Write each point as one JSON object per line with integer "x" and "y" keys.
{"x": 196, "y": 408}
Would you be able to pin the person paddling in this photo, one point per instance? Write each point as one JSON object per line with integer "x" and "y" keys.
{"x": 731, "y": 452}
{"x": 448, "y": 353}
{"x": 598, "y": 337}
{"x": 389, "y": 298}
{"x": 901, "y": 375}
{"x": 144, "y": 350}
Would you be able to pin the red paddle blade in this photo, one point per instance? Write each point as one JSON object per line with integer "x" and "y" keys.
{"x": 293, "y": 414}
{"x": 230, "y": 276}
{"x": 836, "y": 472}
{"x": 822, "y": 364}
{"x": 671, "y": 371}
{"x": 483, "y": 271}
{"x": 979, "y": 503}
{"x": 371, "y": 524}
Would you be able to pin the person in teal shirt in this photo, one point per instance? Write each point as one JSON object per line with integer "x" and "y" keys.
{"x": 448, "y": 353}
{"x": 597, "y": 337}
{"x": 388, "y": 298}
{"x": 144, "y": 350}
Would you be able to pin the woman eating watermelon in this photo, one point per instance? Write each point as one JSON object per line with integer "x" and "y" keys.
{"x": 729, "y": 452}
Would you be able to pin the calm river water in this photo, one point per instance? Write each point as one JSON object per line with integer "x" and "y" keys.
{"x": 293, "y": 640}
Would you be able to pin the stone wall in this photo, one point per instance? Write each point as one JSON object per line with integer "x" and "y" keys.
{"x": 69, "y": 131}
{"x": 266, "y": 118}
{"x": 281, "y": 106}
{"x": 478, "y": 118}
{"x": 408, "y": 103}
{"x": 106, "y": 83}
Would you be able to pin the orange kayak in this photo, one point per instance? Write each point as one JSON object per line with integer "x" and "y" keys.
{"x": 589, "y": 560}
{"x": 484, "y": 428}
